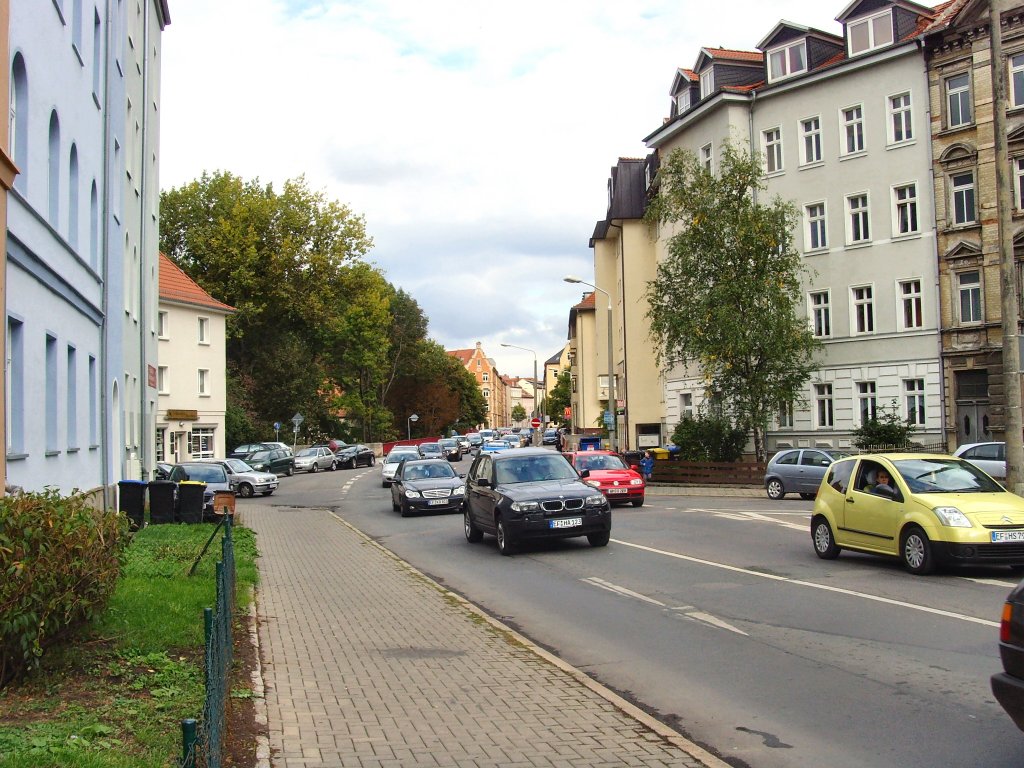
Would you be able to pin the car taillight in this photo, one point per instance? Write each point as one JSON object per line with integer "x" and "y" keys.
{"x": 1004, "y": 625}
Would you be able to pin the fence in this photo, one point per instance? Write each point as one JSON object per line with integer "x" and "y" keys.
{"x": 709, "y": 473}
{"x": 202, "y": 743}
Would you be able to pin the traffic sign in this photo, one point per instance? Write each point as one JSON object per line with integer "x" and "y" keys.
{"x": 534, "y": 422}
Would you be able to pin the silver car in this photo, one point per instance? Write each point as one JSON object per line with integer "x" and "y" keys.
{"x": 988, "y": 457}
{"x": 395, "y": 457}
{"x": 244, "y": 480}
{"x": 798, "y": 470}
{"x": 314, "y": 459}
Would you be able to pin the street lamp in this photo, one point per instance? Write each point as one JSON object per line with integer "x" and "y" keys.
{"x": 408, "y": 424}
{"x": 611, "y": 366}
{"x": 536, "y": 402}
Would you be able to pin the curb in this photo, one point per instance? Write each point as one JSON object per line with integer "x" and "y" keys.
{"x": 259, "y": 695}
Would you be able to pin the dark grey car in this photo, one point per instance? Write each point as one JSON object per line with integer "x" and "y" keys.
{"x": 798, "y": 470}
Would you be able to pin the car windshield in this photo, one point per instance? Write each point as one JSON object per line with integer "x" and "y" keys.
{"x": 945, "y": 476}
{"x": 530, "y": 469}
{"x": 421, "y": 471}
{"x": 448, "y": 443}
{"x": 600, "y": 461}
{"x": 430, "y": 447}
{"x": 237, "y": 465}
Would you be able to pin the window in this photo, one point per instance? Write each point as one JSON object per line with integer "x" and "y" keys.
{"x": 786, "y": 61}
{"x": 853, "y": 130}
{"x": 486, "y": 376}
{"x": 823, "y": 403}
{"x": 202, "y": 443}
{"x": 73, "y": 197}
{"x": 93, "y": 403}
{"x": 816, "y": 232}
{"x": 162, "y": 325}
{"x": 72, "y": 398}
{"x": 161, "y": 444}
{"x": 162, "y": 382}
{"x": 962, "y": 185}
{"x": 94, "y": 226}
{"x": 821, "y": 314}
{"x": 204, "y": 382}
{"x": 51, "y": 393}
{"x": 96, "y": 56}
{"x": 1018, "y": 181}
{"x": 487, "y": 393}
{"x": 682, "y": 101}
{"x": 899, "y": 118}
{"x": 913, "y": 390}
{"x": 905, "y": 213}
{"x": 969, "y": 285}
{"x": 811, "y": 131}
{"x": 785, "y": 417}
{"x": 18, "y": 119}
{"x": 76, "y": 27}
{"x": 707, "y": 158}
{"x": 863, "y": 309}
{"x": 15, "y": 372}
{"x": 707, "y": 82}
{"x": 686, "y": 405}
{"x": 1017, "y": 80}
{"x": 910, "y": 296}
{"x": 204, "y": 330}
{"x": 859, "y": 219}
{"x": 958, "y": 100}
{"x": 53, "y": 171}
{"x": 773, "y": 150}
{"x": 870, "y": 33}
{"x": 866, "y": 402}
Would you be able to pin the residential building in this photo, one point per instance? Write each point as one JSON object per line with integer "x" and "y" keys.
{"x": 962, "y": 109}
{"x": 8, "y": 171}
{"x": 192, "y": 374}
{"x": 587, "y": 357}
{"x": 492, "y": 386}
{"x": 553, "y": 368}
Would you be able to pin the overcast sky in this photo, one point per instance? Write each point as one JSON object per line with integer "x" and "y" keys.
{"x": 476, "y": 138}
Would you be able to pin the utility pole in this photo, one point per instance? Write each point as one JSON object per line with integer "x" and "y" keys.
{"x": 1007, "y": 266}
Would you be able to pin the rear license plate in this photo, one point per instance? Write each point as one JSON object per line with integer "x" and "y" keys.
{"x": 616, "y": 490}
{"x": 999, "y": 537}
{"x": 566, "y": 522}
{"x": 435, "y": 502}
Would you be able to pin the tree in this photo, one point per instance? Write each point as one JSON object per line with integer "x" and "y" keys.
{"x": 885, "y": 430}
{"x": 726, "y": 296}
{"x": 518, "y": 412}
{"x": 559, "y": 398}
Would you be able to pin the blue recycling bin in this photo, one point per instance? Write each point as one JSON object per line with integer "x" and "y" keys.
{"x": 131, "y": 500}
{"x": 590, "y": 443}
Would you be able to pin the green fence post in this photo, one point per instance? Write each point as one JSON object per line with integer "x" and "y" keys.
{"x": 188, "y": 743}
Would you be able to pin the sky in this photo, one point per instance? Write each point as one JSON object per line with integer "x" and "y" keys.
{"x": 476, "y": 139}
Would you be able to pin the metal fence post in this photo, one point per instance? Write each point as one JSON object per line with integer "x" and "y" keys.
{"x": 188, "y": 743}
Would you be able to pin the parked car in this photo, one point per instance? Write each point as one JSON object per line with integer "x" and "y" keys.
{"x": 451, "y": 448}
{"x": 933, "y": 511}
{"x": 247, "y": 449}
{"x": 352, "y": 456}
{"x": 162, "y": 470}
{"x": 427, "y": 485}
{"x": 244, "y": 480}
{"x": 990, "y": 457}
{"x": 214, "y": 475}
{"x": 609, "y": 473}
{"x": 798, "y": 470}
{"x": 532, "y": 493}
{"x": 395, "y": 456}
{"x": 550, "y": 437}
{"x": 314, "y": 459}
{"x": 276, "y": 461}
{"x": 431, "y": 451}
{"x": 1008, "y": 685}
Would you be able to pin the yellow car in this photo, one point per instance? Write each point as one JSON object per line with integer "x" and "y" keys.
{"x": 925, "y": 509}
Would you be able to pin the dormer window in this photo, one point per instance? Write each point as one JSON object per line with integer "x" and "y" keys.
{"x": 786, "y": 61}
{"x": 682, "y": 101}
{"x": 869, "y": 33}
{"x": 707, "y": 82}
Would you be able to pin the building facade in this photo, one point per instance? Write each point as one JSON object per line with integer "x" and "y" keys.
{"x": 490, "y": 381}
{"x": 588, "y": 365}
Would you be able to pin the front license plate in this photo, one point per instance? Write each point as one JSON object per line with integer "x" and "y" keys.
{"x": 617, "y": 490}
{"x": 999, "y": 537}
{"x": 566, "y": 522}
{"x": 436, "y": 502}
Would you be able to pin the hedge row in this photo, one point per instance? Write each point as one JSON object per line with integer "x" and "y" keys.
{"x": 59, "y": 563}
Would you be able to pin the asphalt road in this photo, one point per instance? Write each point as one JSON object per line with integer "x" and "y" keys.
{"x": 715, "y": 615}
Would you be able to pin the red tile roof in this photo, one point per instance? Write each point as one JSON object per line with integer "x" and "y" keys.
{"x": 463, "y": 355}
{"x": 587, "y": 303}
{"x": 176, "y": 286}
{"x": 727, "y": 53}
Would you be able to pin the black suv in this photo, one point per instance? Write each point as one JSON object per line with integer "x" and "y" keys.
{"x": 1008, "y": 686}
{"x": 532, "y": 493}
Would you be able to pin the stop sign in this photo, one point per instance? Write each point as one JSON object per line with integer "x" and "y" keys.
{"x": 534, "y": 422}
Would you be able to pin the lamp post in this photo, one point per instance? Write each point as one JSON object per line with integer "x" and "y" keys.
{"x": 612, "y": 410}
{"x": 536, "y": 402}
{"x": 408, "y": 424}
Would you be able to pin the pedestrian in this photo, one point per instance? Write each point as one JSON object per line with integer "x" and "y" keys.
{"x": 647, "y": 466}
{"x": 559, "y": 442}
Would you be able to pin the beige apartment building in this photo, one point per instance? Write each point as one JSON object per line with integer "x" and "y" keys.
{"x": 588, "y": 363}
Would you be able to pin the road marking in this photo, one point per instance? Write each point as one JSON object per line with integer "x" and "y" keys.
{"x": 812, "y": 585}
{"x": 745, "y": 515}
{"x": 991, "y": 582}
{"x": 707, "y": 618}
{"x": 685, "y": 610}
{"x": 621, "y": 590}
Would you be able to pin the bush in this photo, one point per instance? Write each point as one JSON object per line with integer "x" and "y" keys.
{"x": 886, "y": 430}
{"x": 59, "y": 563}
{"x": 709, "y": 437}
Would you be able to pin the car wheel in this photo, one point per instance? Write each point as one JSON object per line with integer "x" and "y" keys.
{"x": 916, "y": 551}
{"x": 245, "y": 490}
{"x": 775, "y": 489}
{"x": 808, "y": 496}
{"x": 473, "y": 534}
{"x": 315, "y": 468}
{"x": 334, "y": 465}
{"x": 373, "y": 461}
{"x": 505, "y": 544}
{"x": 637, "y": 502}
{"x": 394, "y": 505}
{"x": 599, "y": 539}
{"x": 385, "y": 484}
{"x": 288, "y": 471}
{"x": 825, "y": 545}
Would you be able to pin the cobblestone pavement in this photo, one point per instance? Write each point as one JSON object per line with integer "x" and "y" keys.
{"x": 367, "y": 662}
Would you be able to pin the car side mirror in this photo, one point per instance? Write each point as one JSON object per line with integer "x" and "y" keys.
{"x": 483, "y": 482}
{"x": 585, "y": 473}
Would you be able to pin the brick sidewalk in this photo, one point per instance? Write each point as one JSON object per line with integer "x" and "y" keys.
{"x": 367, "y": 662}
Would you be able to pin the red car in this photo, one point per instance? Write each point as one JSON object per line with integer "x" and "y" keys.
{"x": 610, "y": 474}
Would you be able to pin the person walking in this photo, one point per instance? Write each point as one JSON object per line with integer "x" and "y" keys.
{"x": 647, "y": 466}
{"x": 559, "y": 441}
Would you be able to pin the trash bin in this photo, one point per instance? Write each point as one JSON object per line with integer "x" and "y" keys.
{"x": 191, "y": 495}
{"x": 632, "y": 458}
{"x": 590, "y": 443}
{"x": 659, "y": 454}
{"x": 161, "y": 501}
{"x": 223, "y": 500}
{"x": 131, "y": 500}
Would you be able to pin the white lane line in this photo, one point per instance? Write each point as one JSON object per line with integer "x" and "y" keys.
{"x": 992, "y": 582}
{"x": 621, "y": 590}
{"x": 707, "y": 618}
{"x": 812, "y": 585}
{"x": 685, "y": 610}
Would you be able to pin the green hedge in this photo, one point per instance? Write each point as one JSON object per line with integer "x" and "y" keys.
{"x": 59, "y": 562}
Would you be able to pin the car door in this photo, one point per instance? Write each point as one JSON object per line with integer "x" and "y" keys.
{"x": 479, "y": 498}
{"x": 813, "y": 465}
{"x": 872, "y": 520}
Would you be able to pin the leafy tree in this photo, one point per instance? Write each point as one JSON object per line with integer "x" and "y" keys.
{"x": 518, "y": 412}
{"x": 709, "y": 437}
{"x": 884, "y": 430}
{"x": 559, "y": 398}
{"x": 726, "y": 296}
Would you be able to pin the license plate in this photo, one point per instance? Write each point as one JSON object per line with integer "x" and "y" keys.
{"x": 616, "y": 490}
{"x": 566, "y": 522}
{"x": 435, "y": 502}
{"x": 1003, "y": 536}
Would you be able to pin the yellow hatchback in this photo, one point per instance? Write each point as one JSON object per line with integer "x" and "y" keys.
{"x": 925, "y": 509}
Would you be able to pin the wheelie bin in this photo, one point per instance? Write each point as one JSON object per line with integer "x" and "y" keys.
{"x": 131, "y": 500}
{"x": 191, "y": 495}
{"x": 161, "y": 501}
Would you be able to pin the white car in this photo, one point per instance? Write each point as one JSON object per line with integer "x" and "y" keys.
{"x": 988, "y": 457}
{"x": 314, "y": 459}
{"x": 390, "y": 464}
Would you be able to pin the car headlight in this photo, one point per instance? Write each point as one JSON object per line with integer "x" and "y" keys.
{"x": 459, "y": 491}
{"x": 595, "y": 501}
{"x": 952, "y": 517}
{"x": 593, "y": 483}
{"x": 411, "y": 494}
{"x": 525, "y": 506}
{"x": 636, "y": 481}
